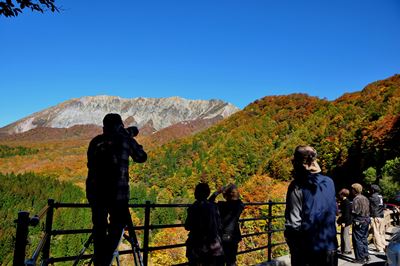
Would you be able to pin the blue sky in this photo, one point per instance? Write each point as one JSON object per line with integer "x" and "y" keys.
{"x": 234, "y": 50}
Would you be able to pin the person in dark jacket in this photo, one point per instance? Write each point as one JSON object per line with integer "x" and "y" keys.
{"x": 204, "y": 245}
{"x": 378, "y": 225}
{"x": 345, "y": 221}
{"x": 230, "y": 211}
{"x": 310, "y": 215}
{"x": 361, "y": 220}
{"x": 107, "y": 184}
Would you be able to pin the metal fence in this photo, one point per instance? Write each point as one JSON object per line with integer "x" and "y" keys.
{"x": 42, "y": 250}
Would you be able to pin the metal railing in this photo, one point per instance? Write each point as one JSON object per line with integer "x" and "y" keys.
{"x": 24, "y": 221}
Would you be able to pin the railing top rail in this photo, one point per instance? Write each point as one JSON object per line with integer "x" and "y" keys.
{"x": 264, "y": 203}
{"x": 155, "y": 205}
{"x": 71, "y": 205}
{"x": 43, "y": 212}
{"x": 56, "y": 205}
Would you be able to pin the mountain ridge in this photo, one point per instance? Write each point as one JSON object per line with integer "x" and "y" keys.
{"x": 152, "y": 113}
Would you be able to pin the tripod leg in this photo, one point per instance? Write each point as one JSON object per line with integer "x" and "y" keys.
{"x": 133, "y": 241}
{"x": 117, "y": 259}
{"x": 116, "y": 253}
{"x": 137, "y": 258}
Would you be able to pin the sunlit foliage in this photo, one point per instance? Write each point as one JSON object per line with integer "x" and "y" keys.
{"x": 7, "y": 151}
{"x": 30, "y": 192}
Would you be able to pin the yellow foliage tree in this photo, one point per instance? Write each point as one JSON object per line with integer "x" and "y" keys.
{"x": 169, "y": 236}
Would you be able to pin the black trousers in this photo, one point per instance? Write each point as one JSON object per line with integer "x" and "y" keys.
{"x": 302, "y": 256}
{"x": 109, "y": 219}
{"x": 360, "y": 239}
{"x": 230, "y": 252}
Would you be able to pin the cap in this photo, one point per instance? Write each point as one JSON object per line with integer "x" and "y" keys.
{"x": 307, "y": 156}
{"x": 112, "y": 120}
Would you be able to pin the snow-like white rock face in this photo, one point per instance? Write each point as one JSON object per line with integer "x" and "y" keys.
{"x": 161, "y": 112}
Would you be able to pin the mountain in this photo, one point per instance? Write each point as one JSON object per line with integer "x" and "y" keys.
{"x": 149, "y": 114}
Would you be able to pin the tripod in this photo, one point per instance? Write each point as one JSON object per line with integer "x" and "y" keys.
{"x": 130, "y": 237}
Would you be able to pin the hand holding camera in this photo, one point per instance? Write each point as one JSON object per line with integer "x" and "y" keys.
{"x": 132, "y": 131}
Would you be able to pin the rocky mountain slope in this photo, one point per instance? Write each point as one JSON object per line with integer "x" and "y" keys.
{"x": 150, "y": 114}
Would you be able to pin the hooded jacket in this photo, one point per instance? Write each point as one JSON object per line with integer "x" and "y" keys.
{"x": 311, "y": 212}
{"x": 376, "y": 203}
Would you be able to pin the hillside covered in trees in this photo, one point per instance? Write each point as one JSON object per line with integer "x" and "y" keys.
{"x": 30, "y": 192}
{"x": 351, "y": 134}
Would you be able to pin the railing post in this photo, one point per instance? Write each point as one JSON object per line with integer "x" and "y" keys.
{"x": 269, "y": 230}
{"x": 48, "y": 229}
{"x": 146, "y": 233}
{"x": 21, "y": 238}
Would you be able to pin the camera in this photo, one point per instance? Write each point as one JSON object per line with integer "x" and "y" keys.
{"x": 132, "y": 131}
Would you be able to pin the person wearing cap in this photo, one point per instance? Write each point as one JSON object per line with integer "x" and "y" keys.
{"x": 310, "y": 215}
{"x": 230, "y": 211}
{"x": 361, "y": 220}
{"x": 107, "y": 184}
{"x": 377, "y": 218}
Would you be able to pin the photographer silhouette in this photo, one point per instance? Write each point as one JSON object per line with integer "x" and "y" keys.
{"x": 107, "y": 184}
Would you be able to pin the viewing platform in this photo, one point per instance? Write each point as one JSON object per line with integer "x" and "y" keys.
{"x": 376, "y": 259}
{"x": 270, "y": 216}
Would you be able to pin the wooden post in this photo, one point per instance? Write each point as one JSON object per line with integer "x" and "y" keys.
{"x": 146, "y": 234}
{"x": 48, "y": 229}
{"x": 21, "y": 238}
{"x": 269, "y": 230}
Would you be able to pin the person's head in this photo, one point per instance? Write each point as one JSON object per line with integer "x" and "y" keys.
{"x": 356, "y": 189}
{"x": 375, "y": 188}
{"x": 112, "y": 122}
{"x": 305, "y": 160}
{"x": 344, "y": 193}
{"x": 231, "y": 192}
{"x": 202, "y": 191}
